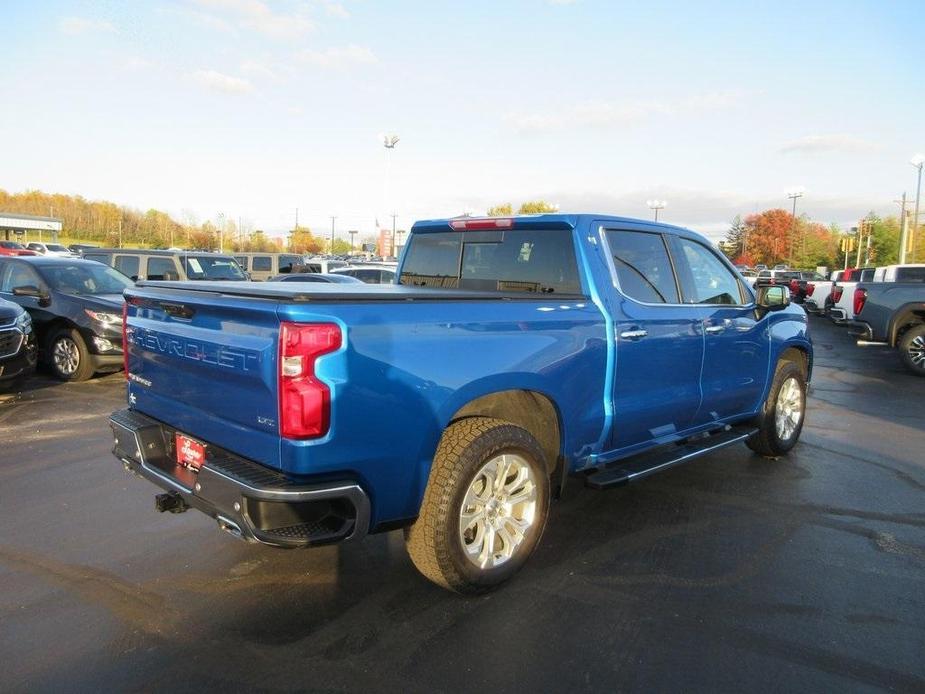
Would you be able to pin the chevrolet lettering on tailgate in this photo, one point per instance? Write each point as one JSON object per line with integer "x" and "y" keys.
{"x": 195, "y": 350}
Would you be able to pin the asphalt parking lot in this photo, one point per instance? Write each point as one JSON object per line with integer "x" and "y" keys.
{"x": 732, "y": 572}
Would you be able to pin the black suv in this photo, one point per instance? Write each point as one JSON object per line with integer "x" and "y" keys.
{"x": 76, "y": 308}
{"x": 17, "y": 345}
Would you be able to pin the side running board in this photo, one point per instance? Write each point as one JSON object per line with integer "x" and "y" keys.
{"x": 635, "y": 468}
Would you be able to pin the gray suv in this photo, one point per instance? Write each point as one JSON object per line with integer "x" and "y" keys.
{"x": 138, "y": 264}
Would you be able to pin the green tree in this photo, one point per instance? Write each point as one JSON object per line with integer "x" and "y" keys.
{"x": 502, "y": 210}
{"x": 734, "y": 243}
{"x": 536, "y": 207}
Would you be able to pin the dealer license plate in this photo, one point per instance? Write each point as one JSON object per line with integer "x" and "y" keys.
{"x": 190, "y": 453}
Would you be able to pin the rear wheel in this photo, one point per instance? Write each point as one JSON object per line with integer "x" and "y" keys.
{"x": 484, "y": 508}
{"x": 912, "y": 350}
{"x": 68, "y": 356}
{"x": 782, "y": 415}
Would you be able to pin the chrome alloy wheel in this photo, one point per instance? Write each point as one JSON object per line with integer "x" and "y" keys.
{"x": 788, "y": 413}
{"x": 498, "y": 510}
{"x": 66, "y": 356}
{"x": 916, "y": 351}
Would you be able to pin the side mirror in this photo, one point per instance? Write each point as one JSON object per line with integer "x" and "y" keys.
{"x": 773, "y": 297}
{"x": 33, "y": 291}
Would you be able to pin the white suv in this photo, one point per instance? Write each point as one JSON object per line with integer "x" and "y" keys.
{"x": 50, "y": 249}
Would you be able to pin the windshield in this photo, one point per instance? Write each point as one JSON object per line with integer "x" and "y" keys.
{"x": 209, "y": 267}
{"x": 11, "y": 244}
{"x": 84, "y": 278}
{"x": 55, "y": 247}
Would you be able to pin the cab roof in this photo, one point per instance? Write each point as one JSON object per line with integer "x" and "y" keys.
{"x": 535, "y": 221}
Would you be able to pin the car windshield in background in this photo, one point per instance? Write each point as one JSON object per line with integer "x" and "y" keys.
{"x": 506, "y": 261}
{"x": 206, "y": 267}
{"x": 56, "y": 247}
{"x": 12, "y": 244}
{"x": 85, "y": 278}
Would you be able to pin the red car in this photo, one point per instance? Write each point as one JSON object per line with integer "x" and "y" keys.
{"x": 13, "y": 248}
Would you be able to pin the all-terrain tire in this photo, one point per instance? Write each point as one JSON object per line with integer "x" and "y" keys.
{"x": 436, "y": 542}
{"x": 777, "y": 432}
{"x": 912, "y": 349}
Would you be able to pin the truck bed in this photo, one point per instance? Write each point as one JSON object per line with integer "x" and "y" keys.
{"x": 340, "y": 293}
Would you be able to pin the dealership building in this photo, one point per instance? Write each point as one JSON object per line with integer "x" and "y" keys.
{"x": 24, "y": 227}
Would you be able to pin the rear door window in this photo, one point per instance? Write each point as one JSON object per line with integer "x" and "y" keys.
{"x": 128, "y": 265}
{"x": 643, "y": 266}
{"x": 261, "y": 263}
{"x": 287, "y": 261}
{"x": 162, "y": 269}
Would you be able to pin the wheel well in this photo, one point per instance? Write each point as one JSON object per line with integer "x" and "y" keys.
{"x": 527, "y": 409}
{"x": 908, "y": 320}
{"x": 798, "y": 356}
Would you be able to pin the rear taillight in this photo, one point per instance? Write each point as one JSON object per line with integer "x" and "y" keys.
{"x": 860, "y": 296}
{"x": 125, "y": 339}
{"x": 810, "y": 288}
{"x": 304, "y": 401}
{"x": 836, "y": 294}
{"x": 794, "y": 286}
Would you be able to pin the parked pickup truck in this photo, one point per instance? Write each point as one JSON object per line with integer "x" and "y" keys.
{"x": 893, "y": 313}
{"x": 840, "y": 302}
{"x": 510, "y": 353}
{"x": 817, "y": 293}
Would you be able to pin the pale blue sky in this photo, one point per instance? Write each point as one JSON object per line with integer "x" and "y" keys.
{"x": 254, "y": 108}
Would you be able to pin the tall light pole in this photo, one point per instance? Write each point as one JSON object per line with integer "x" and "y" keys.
{"x": 332, "y": 233}
{"x": 917, "y": 161}
{"x": 793, "y": 194}
{"x": 656, "y": 205}
{"x": 389, "y": 142}
{"x": 221, "y": 232}
{"x": 353, "y": 233}
{"x": 903, "y": 229}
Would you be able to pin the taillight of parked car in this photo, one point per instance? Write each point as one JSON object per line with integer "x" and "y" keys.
{"x": 304, "y": 400}
{"x": 836, "y": 293}
{"x": 810, "y": 288}
{"x": 124, "y": 339}
{"x": 794, "y": 286}
{"x": 860, "y": 296}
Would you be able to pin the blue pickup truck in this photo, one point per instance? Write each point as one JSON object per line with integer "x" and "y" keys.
{"x": 510, "y": 354}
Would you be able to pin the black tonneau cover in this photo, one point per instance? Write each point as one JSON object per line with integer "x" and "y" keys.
{"x": 344, "y": 293}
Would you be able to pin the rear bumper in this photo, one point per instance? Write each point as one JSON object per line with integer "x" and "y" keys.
{"x": 838, "y": 315}
{"x": 811, "y": 306}
{"x": 247, "y": 499}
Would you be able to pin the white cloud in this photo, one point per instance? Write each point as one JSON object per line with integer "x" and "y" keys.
{"x": 602, "y": 114}
{"x": 812, "y": 144}
{"x": 344, "y": 56}
{"x": 80, "y": 25}
{"x": 336, "y": 9}
{"x": 220, "y": 82}
{"x": 258, "y": 16}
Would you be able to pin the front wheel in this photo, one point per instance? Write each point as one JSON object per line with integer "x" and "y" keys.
{"x": 782, "y": 415}
{"x": 912, "y": 350}
{"x": 484, "y": 508}
{"x": 68, "y": 356}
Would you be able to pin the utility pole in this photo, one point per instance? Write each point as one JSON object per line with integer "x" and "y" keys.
{"x": 394, "y": 250}
{"x": 917, "y": 161}
{"x": 793, "y": 195}
{"x": 861, "y": 226}
{"x": 332, "y": 234}
{"x": 120, "y": 230}
{"x": 903, "y": 229}
{"x": 353, "y": 233}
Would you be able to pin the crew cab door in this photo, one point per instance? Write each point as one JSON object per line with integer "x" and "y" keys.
{"x": 659, "y": 344}
{"x": 736, "y": 340}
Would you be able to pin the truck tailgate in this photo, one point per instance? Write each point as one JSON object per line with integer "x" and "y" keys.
{"x": 206, "y": 364}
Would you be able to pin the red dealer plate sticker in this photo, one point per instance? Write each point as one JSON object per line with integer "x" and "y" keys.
{"x": 191, "y": 454}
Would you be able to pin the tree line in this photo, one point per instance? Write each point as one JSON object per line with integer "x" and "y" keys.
{"x": 109, "y": 224}
{"x": 776, "y": 236}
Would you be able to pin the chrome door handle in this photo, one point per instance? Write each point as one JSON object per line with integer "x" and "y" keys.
{"x": 633, "y": 334}
{"x": 715, "y": 329}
